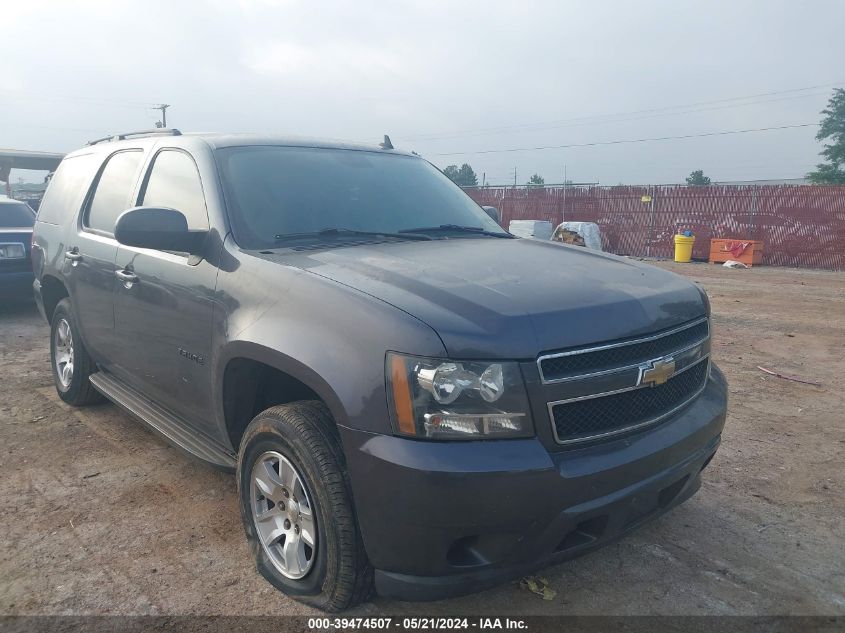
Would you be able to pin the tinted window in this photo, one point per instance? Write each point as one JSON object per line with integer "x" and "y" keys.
{"x": 275, "y": 190}
{"x": 175, "y": 183}
{"x": 111, "y": 198}
{"x": 67, "y": 188}
{"x": 15, "y": 215}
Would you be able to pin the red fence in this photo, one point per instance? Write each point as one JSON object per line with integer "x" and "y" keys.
{"x": 800, "y": 225}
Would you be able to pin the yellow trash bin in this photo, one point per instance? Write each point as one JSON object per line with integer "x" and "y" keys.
{"x": 683, "y": 248}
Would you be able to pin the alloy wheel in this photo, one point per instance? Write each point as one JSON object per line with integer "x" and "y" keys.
{"x": 63, "y": 345}
{"x": 283, "y": 515}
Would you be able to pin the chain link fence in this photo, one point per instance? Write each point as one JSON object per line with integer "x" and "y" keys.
{"x": 800, "y": 225}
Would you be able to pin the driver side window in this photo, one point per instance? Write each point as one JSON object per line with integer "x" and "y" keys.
{"x": 174, "y": 182}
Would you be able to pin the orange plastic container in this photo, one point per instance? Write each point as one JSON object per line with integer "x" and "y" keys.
{"x": 721, "y": 250}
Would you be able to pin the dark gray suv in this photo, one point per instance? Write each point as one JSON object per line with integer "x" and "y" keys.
{"x": 414, "y": 400}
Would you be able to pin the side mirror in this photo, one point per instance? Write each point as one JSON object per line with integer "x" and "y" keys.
{"x": 159, "y": 229}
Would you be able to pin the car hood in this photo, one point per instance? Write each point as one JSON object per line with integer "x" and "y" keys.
{"x": 509, "y": 298}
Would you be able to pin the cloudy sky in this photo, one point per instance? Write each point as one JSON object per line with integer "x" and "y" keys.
{"x": 455, "y": 81}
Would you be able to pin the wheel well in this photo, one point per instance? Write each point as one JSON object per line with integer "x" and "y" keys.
{"x": 52, "y": 291}
{"x": 250, "y": 386}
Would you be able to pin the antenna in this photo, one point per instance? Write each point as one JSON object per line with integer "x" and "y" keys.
{"x": 386, "y": 144}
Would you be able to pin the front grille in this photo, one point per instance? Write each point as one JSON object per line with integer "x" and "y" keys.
{"x": 608, "y": 357}
{"x": 581, "y": 420}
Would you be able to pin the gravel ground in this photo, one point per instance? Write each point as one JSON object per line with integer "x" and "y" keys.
{"x": 100, "y": 516}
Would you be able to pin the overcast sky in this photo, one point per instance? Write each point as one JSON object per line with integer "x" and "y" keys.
{"x": 447, "y": 79}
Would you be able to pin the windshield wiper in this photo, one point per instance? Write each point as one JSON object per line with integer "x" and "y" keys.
{"x": 410, "y": 235}
{"x": 444, "y": 228}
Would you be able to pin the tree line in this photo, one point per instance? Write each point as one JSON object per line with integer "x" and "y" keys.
{"x": 465, "y": 176}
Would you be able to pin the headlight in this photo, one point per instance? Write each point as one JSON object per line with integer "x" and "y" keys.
{"x": 451, "y": 400}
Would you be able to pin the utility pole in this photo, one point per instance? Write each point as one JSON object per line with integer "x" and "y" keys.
{"x": 163, "y": 107}
{"x": 514, "y": 176}
{"x": 565, "y": 184}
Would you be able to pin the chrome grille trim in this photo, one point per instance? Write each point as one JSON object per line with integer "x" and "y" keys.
{"x": 631, "y": 427}
{"x": 614, "y": 370}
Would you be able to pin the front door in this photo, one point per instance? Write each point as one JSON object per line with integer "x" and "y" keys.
{"x": 163, "y": 301}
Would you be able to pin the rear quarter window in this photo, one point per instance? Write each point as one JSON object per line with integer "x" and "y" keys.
{"x": 67, "y": 188}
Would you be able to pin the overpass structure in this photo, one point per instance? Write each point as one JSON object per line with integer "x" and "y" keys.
{"x": 25, "y": 159}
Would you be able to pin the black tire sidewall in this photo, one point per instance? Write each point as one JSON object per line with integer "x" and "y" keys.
{"x": 283, "y": 440}
{"x": 64, "y": 311}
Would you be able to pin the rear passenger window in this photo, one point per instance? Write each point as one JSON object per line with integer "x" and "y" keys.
{"x": 67, "y": 188}
{"x": 15, "y": 215}
{"x": 111, "y": 197}
{"x": 175, "y": 183}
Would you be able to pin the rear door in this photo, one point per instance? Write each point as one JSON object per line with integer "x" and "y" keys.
{"x": 89, "y": 257}
{"x": 164, "y": 316}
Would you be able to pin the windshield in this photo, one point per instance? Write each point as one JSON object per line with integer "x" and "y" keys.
{"x": 276, "y": 191}
{"x": 16, "y": 215}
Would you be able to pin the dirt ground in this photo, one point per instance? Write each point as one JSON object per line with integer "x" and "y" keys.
{"x": 101, "y": 516}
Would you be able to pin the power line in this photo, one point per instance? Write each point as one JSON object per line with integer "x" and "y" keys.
{"x": 109, "y": 102}
{"x": 539, "y": 128}
{"x": 666, "y": 110}
{"x": 58, "y": 129}
{"x": 636, "y": 140}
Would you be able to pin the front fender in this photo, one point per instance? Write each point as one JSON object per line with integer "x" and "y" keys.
{"x": 329, "y": 336}
{"x": 278, "y": 360}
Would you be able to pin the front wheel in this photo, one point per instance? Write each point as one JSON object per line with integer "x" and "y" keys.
{"x": 297, "y": 508}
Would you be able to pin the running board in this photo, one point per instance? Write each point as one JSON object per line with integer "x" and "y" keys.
{"x": 166, "y": 424}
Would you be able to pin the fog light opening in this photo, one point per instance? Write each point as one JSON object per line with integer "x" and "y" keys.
{"x": 462, "y": 553}
{"x": 707, "y": 461}
{"x": 585, "y": 532}
{"x": 668, "y": 494}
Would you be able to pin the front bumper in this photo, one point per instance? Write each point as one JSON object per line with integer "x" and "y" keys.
{"x": 441, "y": 519}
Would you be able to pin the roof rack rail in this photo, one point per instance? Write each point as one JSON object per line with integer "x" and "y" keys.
{"x": 159, "y": 131}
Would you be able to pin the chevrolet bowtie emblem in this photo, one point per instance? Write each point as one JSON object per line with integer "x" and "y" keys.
{"x": 656, "y": 372}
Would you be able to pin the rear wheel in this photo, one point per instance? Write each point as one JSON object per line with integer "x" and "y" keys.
{"x": 297, "y": 509}
{"x": 70, "y": 361}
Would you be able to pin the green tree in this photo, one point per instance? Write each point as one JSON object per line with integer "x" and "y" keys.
{"x": 832, "y": 129}
{"x": 698, "y": 179}
{"x": 536, "y": 181}
{"x": 463, "y": 175}
{"x": 451, "y": 172}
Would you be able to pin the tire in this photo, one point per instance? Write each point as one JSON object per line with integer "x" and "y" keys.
{"x": 73, "y": 387}
{"x": 337, "y": 575}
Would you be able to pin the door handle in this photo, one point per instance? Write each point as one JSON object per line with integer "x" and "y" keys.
{"x": 73, "y": 255}
{"x": 128, "y": 278}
